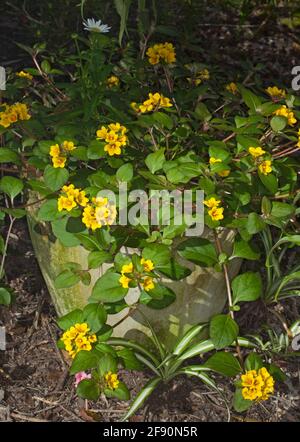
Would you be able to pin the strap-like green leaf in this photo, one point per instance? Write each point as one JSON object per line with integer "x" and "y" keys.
{"x": 141, "y": 397}
{"x": 184, "y": 342}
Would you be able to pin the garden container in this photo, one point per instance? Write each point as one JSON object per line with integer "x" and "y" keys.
{"x": 198, "y": 297}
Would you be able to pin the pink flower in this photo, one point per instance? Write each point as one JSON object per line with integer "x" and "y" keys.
{"x": 81, "y": 376}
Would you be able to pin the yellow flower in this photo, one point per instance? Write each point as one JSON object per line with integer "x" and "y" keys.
{"x": 54, "y": 150}
{"x": 102, "y": 133}
{"x": 256, "y": 151}
{"x": 127, "y": 268}
{"x": 113, "y": 148}
{"x": 134, "y": 106}
{"x": 154, "y": 102}
{"x": 111, "y": 380}
{"x": 23, "y": 74}
{"x": 265, "y": 167}
{"x": 59, "y": 162}
{"x": 203, "y": 74}
{"x": 82, "y": 328}
{"x": 68, "y": 146}
{"x": 214, "y": 160}
{"x": 113, "y": 81}
{"x": 65, "y": 203}
{"x": 124, "y": 281}
{"x": 283, "y": 111}
{"x": 276, "y": 93}
{"x": 13, "y": 113}
{"x": 161, "y": 52}
{"x": 232, "y": 88}
{"x": 212, "y": 202}
{"x": 81, "y": 198}
{"x": 77, "y": 338}
{"x": 88, "y": 218}
{"x": 224, "y": 173}
{"x": 103, "y": 214}
{"x": 148, "y": 283}
{"x": 257, "y": 385}
{"x": 148, "y": 264}
{"x": 111, "y": 137}
{"x": 216, "y": 213}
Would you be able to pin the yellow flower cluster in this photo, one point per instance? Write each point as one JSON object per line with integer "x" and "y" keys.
{"x": 59, "y": 153}
{"x": 77, "y": 338}
{"x": 215, "y": 212}
{"x": 283, "y": 111}
{"x": 70, "y": 198}
{"x": 161, "y": 52}
{"x": 257, "y": 385}
{"x": 112, "y": 380}
{"x": 232, "y": 88}
{"x": 112, "y": 81}
{"x": 26, "y": 75}
{"x": 145, "y": 281}
{"x": 265, "y": 167}
{"x": 276, "y": 93}
{"x": 99, "y": 213}
{"x": 256, "y": 152}
{"x": 13, "y": 113}
{"x": 114, "y": 136}
{"x": 153, "y": 103}
{"x": 222, "y": 173}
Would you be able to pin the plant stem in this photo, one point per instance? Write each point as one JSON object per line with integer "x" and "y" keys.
{"x": 12, "y": 220}
{"x": 229, "y": 294}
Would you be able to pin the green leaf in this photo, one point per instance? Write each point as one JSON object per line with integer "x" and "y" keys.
{"x": 224, "y": 363}
{"x": 88, "y": 389}
{"x": 255, "y": 223}
{"x": 243, "y": 249}
{"x": 163, "y": 119}
{"x": 48, "y": 211}
{"x": 144, "y": 393}
{"x": 88, "y": 241}
{"x": 223, "y": 331}
{"x": 202, "y": 112}
{"x": 239, "y": 403}
{"x": 55, "y": 177}
{"x": 184, "y": 342}
{"x": 282, "y": 210}
{"x": 158, "y": 253}
{"x": 66, "y": 279}
{"x": 97, "y": 258}
{"x": 95, "y": 315}
{"x": 251, "y": 100}
{"x": 278, "y": 123}
{"x": 253, "y": 362}
{"x": 66, "y": 321}
{"x": 125, "y": 173}
{"x": 108, "y": 289}
{"x": 175, "y": 271}
{"x": 9, "y": 156}
{"x": 155, "y": 160}
{"x": 66, "y": 238}
{"x": 107, "y": 363}
{"x": 121, "y": 392}
{"x": 158, "y": 298}
{"x": 122, "y": 7}
{"x": 198, "y": 250}
{"x": 269, "y": 181}
{"x": 129, "y": 359}
{"x": 11, "y": 186}
{"x": 246, "y": 287}
{"x": 84, "y": 360}
{"x": 5, "y": 296}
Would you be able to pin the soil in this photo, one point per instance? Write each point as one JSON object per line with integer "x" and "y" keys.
{"x": 34, "y": 374}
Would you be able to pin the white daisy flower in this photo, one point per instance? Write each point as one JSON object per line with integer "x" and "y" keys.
{"x": 93, "y": 25}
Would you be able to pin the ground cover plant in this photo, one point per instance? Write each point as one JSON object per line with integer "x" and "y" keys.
{"x": 129, "y": 105}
